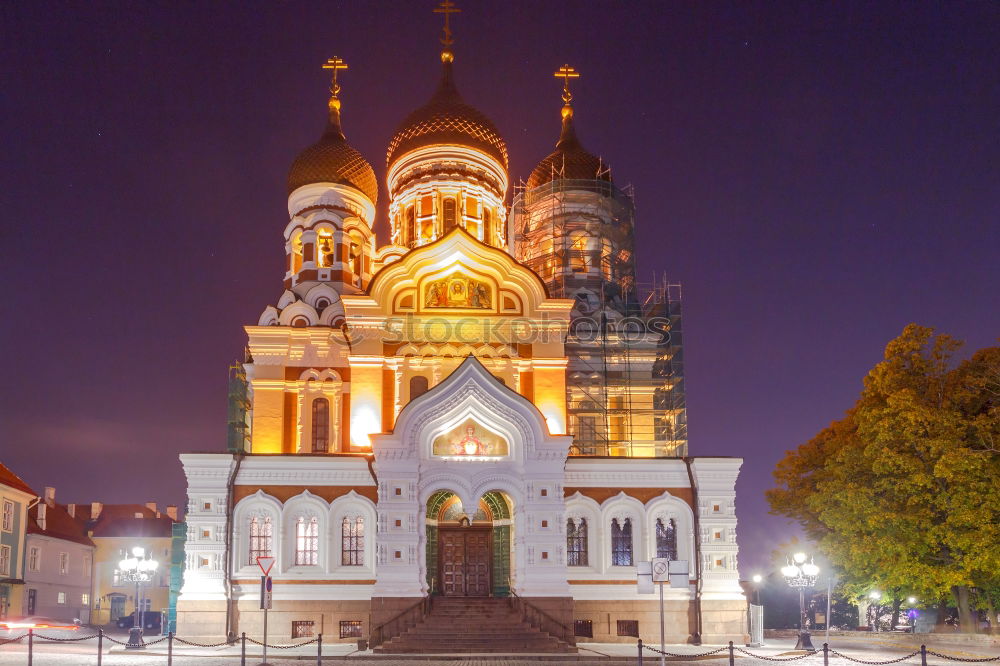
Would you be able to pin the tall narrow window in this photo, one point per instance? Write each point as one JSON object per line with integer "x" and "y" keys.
{"x": 576, "y": 542}
{"x": 306, "y": 541}
{"x": 352, "y": 548}
{"x": 666, "y": 539}
{"x": 450, "y": 215}
{"x": 418, "y": 386}
{"x": 411, "y": 226}
{"x": 487, "y": 226}
{"x": 621, "y": 543}
{"x": 321, "y": 425}
{"x": 578, "y": 253}
{"x": 260, "y": 538}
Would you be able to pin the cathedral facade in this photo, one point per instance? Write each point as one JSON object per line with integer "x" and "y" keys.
{"x": 486, "y": 405}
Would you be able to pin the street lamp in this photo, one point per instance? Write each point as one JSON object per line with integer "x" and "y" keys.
{"x": 756, "y": 615}
{"x": 873, "y": 609}
{"x": 801, "y": 574}
{"x": 138, "y": 569}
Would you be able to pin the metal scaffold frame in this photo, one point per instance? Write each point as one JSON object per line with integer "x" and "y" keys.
{"x": 625, "y": 377}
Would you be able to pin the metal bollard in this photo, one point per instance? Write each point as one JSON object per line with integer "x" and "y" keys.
{"x": 243, "y": 649}
{"x": 170, "y": 648}
{"x": 319, "y": 650}
{"x": 100, "y": 646}
{"x": 732, "y": 655}
{"x": 923, "y": 655}
{"x": 826, "y": 654}
{"x": 640, "y": 652}
{"x": 31, "y": 645}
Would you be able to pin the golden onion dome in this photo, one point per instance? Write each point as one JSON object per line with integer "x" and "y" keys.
{"x": 570, "y": 160}
{"x": 447, "y": 119}
{"x": 333, "y": 160}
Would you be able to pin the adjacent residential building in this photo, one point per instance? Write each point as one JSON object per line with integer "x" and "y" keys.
{"x": 115, "y": 530}
{"x": 59, "y": 562}
{"x": 16, "y": 497}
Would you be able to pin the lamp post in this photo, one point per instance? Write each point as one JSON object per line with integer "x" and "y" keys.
{"x": 801, "y": 574}
{"x": 874, "y": 595}
{"x": 138, "y": 569}
{"x": 756, "y": 614}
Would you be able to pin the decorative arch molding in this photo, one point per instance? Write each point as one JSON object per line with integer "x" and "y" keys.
{"x": 669, "y": 507}
{"x": 269, "y": 317}
{"x": 353, "y": 505}
{"x": 298, "y": 309}
{"x": 621, "y": 507}
{"x": 307, "y": 506}
{"x": 321, "y": 290}
{"x": 262, "y": 505}
{"x": 580, "y": 506}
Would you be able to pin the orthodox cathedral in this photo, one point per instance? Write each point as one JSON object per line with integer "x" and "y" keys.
{"x": 485, "y": 408}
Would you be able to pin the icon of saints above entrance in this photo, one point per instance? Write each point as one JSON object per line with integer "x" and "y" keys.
{"x": 458, "y": 291}
{"x": 470, "y": 440}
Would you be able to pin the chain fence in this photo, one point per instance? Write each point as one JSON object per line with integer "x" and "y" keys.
{"x": 826, "y": 653}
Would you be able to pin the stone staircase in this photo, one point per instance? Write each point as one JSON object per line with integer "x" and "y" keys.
{"x": 472, "y": 625}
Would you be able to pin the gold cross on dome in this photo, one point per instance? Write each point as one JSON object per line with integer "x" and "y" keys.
{"x": 335, "y": 64}
{"x": 566, "y": 73}
{"x": 447, "y": 7}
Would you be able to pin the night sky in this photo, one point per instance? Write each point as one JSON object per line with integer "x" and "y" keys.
{"x": 817, "y": 175}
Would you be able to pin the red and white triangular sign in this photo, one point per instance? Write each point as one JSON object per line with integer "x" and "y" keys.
{"x": 265, "y": 562}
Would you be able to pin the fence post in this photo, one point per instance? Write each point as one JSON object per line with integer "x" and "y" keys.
{"x": 170, "y": 648}
{"x": 31, "y": 645}
{"x": 826, "y": 654}
{"x": 243, "y": 649}
{"x": 100, "y": 645}
{"x": 732, "y": 656}
{"x": 319, "y": 650}
{"x": 923, "y": 655}
{"x": 640, "y": 652}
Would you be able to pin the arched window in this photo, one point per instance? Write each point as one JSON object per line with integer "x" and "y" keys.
{"x": 576, "y": 542}
{"x": 306, "y": 541}
{"x": 449, "y": 214}
{"x": 487, "y": 226}
{"x": 352, "y": 546}
{"x": 411, "y": 217}
{"x": 324, "y": 249}
{"x": 621, "y": 543}
{"x": 297, "y": 252}
{"x": 321, "y": 425}
{"x": 666, "y": 539}
{"x": 260, "y": 538}
{"x": 418, "y": 386}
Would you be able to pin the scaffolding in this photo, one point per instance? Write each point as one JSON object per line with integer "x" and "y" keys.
{"x": 625, "y": 375}
{"x": 238, "y": 422}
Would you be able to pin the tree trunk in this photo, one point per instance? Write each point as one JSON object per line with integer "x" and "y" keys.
{"x": 962, "y": 602}
{"x": 896, "y": 603}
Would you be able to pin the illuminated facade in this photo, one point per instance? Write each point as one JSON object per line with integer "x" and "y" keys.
{"x": 408, "y": 401}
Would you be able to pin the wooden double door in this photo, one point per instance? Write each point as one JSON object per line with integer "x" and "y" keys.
{"x": 464, "y": 558}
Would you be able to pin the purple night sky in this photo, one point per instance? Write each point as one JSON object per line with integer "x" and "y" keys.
{"x": 817, "y": 175}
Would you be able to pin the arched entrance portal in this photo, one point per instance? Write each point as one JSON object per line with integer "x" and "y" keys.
{"x": 468, "y": 556}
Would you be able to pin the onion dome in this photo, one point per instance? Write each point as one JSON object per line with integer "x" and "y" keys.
{"x": 447, "y": 119}
{"x": 569, "y": 160}
{"x": 333, "y": 160}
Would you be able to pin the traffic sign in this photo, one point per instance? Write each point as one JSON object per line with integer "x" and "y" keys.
{"x": 265, "y": 592}
{"x": 265, "y": 562}
{"x": 661, "y": 566}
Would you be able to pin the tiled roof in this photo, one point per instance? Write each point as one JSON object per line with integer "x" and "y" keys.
{"x": 8, "y": 478}
{"x": 59, "y": 525}
{"x": 118, "y": 520}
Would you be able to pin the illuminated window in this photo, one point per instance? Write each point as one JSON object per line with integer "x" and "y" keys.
{"x": 296, "y": 252}
{"x": 449, "y": 215}
{"x": 621, "y": 543}
{"x": 8, "y": 516}
{"x": 576, "y": 542}
{"x": 352, "y": 549}
{"x": 666, "y": 539}
{"x": 86, "y": 565}
{"x": 260, "y": 538}
{"x": 321, "y": 425}
{"x": 34, "y": 559}
{"x": 418, "y": 386}
{"x": 302, "y": 628}
{"x": 307, "y": 541}
{"x": 4, "y": 560}
{"x": 63, "y": 564}
{"x": 324, "y": 249}
{"x": 350, "y": 629}
{"x": 411, "y": 226}
{"x": 487, "y": 226}
{"x": 578, "y": 253}
{"x": 60, "y": 597}
{"x": 85, "y": 599}
{"x": 116, "y": 578}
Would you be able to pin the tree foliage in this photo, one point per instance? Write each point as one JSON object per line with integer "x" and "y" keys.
{"x": 904, "y": 491}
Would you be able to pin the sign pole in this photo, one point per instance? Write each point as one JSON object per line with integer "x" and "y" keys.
{"x": 265, "y": 562}
{"x": 265, "y": 634}
{"x": 663, "y": 643}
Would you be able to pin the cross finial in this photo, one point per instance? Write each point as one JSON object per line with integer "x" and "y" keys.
{"x": 447, "y": 7}
{"x": 335, "y": 64}
{"x": 566, "y": 73}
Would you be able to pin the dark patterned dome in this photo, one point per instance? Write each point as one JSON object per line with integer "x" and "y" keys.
{"x": 333, "y": 160}
{"x": 569, "y": 160}
{"x": 446, "y": 118}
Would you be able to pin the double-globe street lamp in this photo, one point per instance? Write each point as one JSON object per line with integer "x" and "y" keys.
{"x": 138, "y": 569}
{"x": 801, "y": 574}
